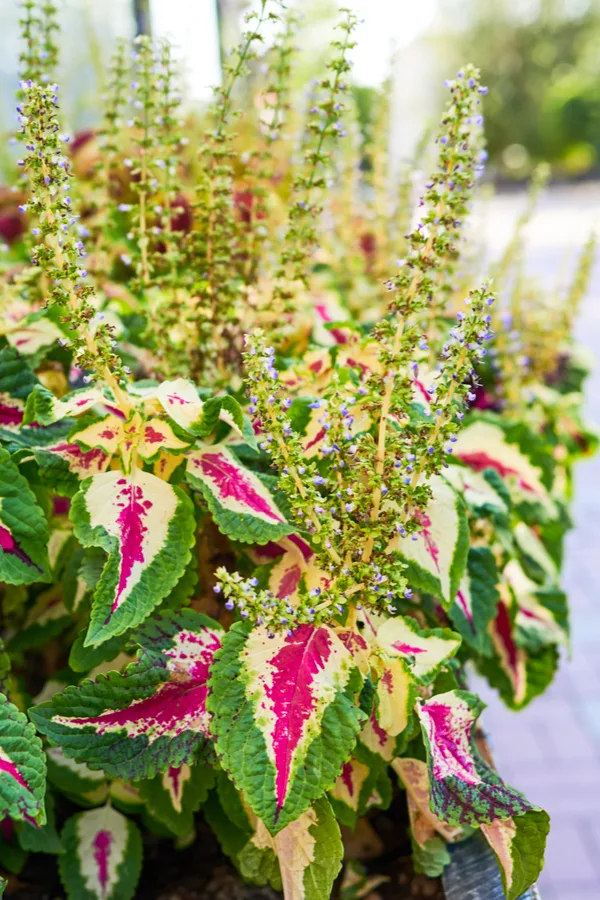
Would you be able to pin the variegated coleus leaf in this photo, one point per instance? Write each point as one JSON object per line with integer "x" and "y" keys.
{"x": 11, "y": 412}
{"x": 533, "y": 554}
{"x": 519, "y": 845}
{"x": 477, "y": 600}
{"x": 63, "y": 465}
{"x": 86, "y": 786}
{"x": 464, "y": 789}
{"x": 484, "y": 445}
{"x": 327, "y": 311}
{"x": 512, "y": 658}
{"x": 23, "y": 528}
{"x": 17, "y": 380}
{"x": 103, "y": 856}
{"x": 41, "y": 838}
{"x": 396, "y": 695}
{"x": 44, "y": 408}
{"x": 138, "y": 723}
{"x": 518, "y": 673}
{"x": 437, "y": 553}
{"x": 112, "y": 434}
{"x": 351, "y": 791}
{"x": 241, "y": 503}
{"x": 376, "y": 739}
{"x": 125, "y": 796}
{"x": 180, "y": 400}
{"x": 484, "y": 491}
{"x": 362, "y": 784}
{"x": 22, "y": 767}
{"x": 414, "y": 777}
{"x": 176, "y": 794}
{"x": 147, "y": 528}
{"x": 425, "y": 650}
{"x": 46, "y": 619}
{"x": 297, "y": 564}
{"x": 399, "y": 655}
{"x": 32, "y": 333}
{"x": 387, "y": 699}
{"x": 285, "y": 717}
{"x": 309, "y": 852}
{"x": 532, "y": 616}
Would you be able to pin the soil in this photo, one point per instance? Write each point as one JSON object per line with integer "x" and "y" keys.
{"x": 202, "y": 872}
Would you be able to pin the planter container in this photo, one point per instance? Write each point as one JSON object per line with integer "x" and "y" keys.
{"x": 473, "y": 873}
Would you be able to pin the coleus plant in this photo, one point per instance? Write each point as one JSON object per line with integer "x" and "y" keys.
{"x": 262, "y": 551}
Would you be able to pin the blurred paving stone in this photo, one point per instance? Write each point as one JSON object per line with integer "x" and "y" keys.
{"x": 568, "y": 860}
{"x": 570, "y": 892}
{"x": 586, "y": 631}
{"x": 590, "y": 709}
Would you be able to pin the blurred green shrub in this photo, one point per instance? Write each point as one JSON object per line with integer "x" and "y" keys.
{"x": 541, "y": 62}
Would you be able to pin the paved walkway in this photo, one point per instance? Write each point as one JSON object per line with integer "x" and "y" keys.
{"x": 551, "y": 751}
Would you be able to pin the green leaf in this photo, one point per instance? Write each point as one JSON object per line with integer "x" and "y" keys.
{"x": 103, "y": 856}
{"x": 84, "y": 659}
{"x": 519, "y": 845}
{"x": 231, "y": 835}
{"x": 177, "y": 794}
{"x": 476, "y": 600}
{"x": 43, "y": 408}
{"x": 75, "y": 778}
{"x": 17, "y": 378}
{"x": 432, "y": 858}
{"x": 22, "y": 767}
{"x": 308, "y": 851}
{"x": 45, "y": 620}
{"x": 23, "y": 528}
{"x": 43, "y": 839}
{"x": 259, "y": 866}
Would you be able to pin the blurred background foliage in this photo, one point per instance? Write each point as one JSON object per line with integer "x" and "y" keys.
{"x": 540, "y": 59}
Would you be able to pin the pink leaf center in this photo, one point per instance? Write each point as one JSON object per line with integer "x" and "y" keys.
{"x": 10, "y": 546}
{"x": 232, "y": 484}
{"x": 303, "y": 655}
{"x": 152, "y": 436}
{"x": 102, "y": 843}
{"x": 462, "y": 602}
{"x": 9, "y": 768}
{"x": 479, "y": 460}
{"x": 449, "y": 739}
{"x": 132, "y": 532}
{"x": 407, "y": 649}
{"x": 347, "y": 778}
{"x": 289, "y": 581}
{"x": 10, "y": 415}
